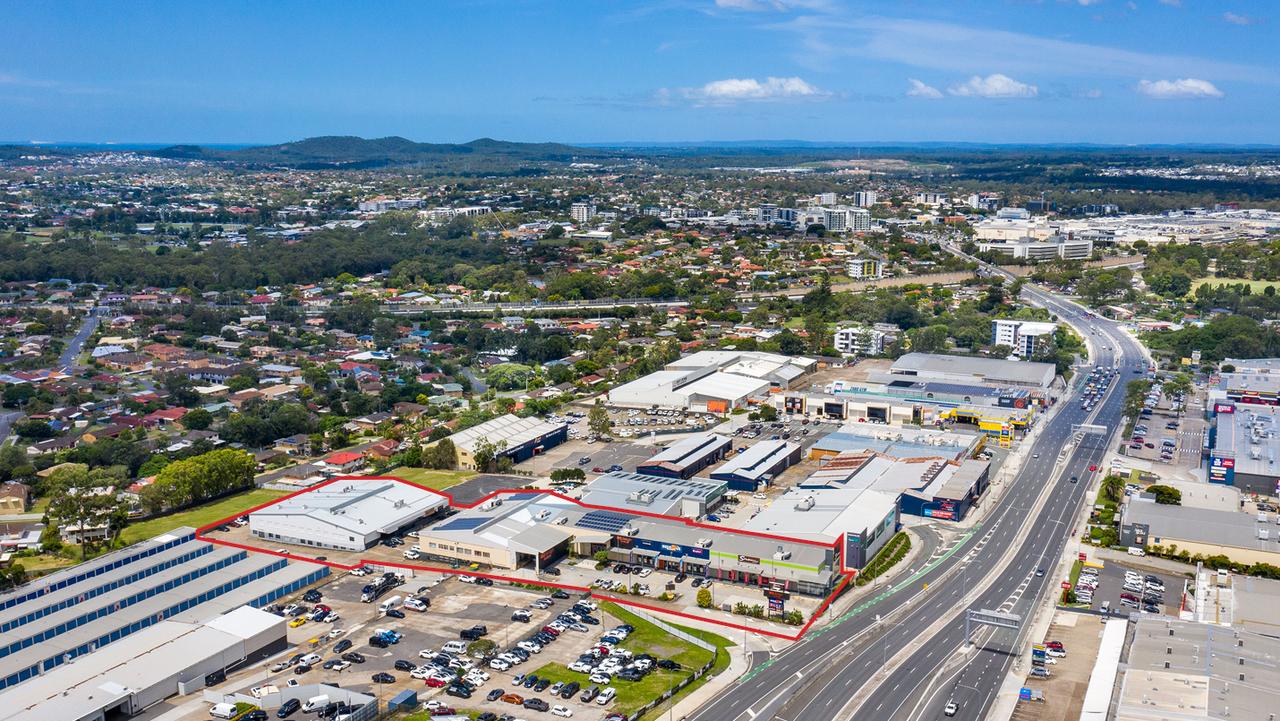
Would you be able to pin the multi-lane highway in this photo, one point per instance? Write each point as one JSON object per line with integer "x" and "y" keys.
{"x": 917, "y": 629}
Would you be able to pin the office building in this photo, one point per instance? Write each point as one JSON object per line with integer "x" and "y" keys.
{"x": 1065, "y": 247}
{"x": 972, "y": 369}
{"x": 864, "y": 198}
{"x": 1024, "y": 337}
{"x": 865, "y": 268}
{"x": 582, "y": 212}
{"x": 859, "y": 341}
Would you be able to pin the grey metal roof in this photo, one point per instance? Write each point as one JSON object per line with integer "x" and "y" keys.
{"x": 687, "y": 451}
{"x": 994, "y": 370}
{"x": 1168, "y": 524}
{"x": 758, "y": 460}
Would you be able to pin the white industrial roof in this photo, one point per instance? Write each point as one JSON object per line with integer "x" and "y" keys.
{"x": 136, "y": 662}
{"x": 726, "y": 386}
{"x": 359, "y": 505}
{"x": 510, "y": 428}
{"x": 823, "y": 514}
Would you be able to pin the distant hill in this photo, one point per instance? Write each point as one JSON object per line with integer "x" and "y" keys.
{"x": 345, "y": 151}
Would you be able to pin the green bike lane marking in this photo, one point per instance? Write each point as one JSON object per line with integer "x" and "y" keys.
{"x": 875, "y": 599}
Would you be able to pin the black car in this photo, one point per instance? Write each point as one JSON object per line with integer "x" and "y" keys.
{"x": 458, "y": 691}
{"x": 536, "y": 704}
{"x": 680, "y": 577}
{"x": 495, "y": 694}
{"x": 255, "y": 715}
{"x": 542, "y": 685}
{"x": 559, "y": 594}
{"x": 569, "y": 690}
{"x": 395, "y": 613}
{"x": 312, "y": 596}
{"x": 487, "y": 716}
{"x": 342, "y": 645}
{"x": 354, "y": 656}
{"x": 530, "y": 681}
{"x": 669, "y": 665}
{"x": 379, "y": 642}
{"x": 289, "y": 708}
{"x": 383, "y": 677}
{"x": 403, "y": 665}
{"x": 696, "y": 582}
{"x": 591, "y": 620}
{"x": 631, "y": 674}
{"x": 551, "y": 571}
{"x": 482, "y": 581}
{"x": 301, "y": 669}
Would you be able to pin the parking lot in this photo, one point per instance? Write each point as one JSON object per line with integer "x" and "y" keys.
{"x": 1064, "y": 689}
{"x": 602, "y": 455}
{"x": 347, "y": 655}
{"x": 1172, "y": 435}
{"x": 1111, "y": 581}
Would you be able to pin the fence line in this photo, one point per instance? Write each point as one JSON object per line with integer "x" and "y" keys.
{"x": 673, "y": 630}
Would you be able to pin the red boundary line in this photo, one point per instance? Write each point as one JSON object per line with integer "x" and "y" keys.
{"x": 847, "y": 574}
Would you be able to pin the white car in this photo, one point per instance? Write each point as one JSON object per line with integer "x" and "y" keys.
{"x": 498, "y": 664}
{"x": 421, "y": 672}
{"x": 412, "y": 554}
{"x": 343, "y": 664}
{"x": 530, "y": 646}
{"x": 559, "y": 710}
{"x": 467, "y": 579}
{"x": 759, "y": 496}
{"x": 601, "y": 678}
{"x": 335, "y": 632}
{"x": 361, "y": 571}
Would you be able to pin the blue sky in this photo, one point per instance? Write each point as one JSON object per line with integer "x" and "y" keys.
{"x": 1111, "y": 71}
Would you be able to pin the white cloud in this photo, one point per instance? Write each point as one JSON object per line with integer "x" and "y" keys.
{"x": 1087, "y": 3}
{"x": 920, "y": 90}
{"x": 733, "y": 90}
{"x": 1235, "y": 19}
{"x": 824, "y": 40}
{"x": 1182, "y": 88}
{"x": 757, "y": 6}
{"x": 1173, "y": 3}
{"x": 993, "y": 86}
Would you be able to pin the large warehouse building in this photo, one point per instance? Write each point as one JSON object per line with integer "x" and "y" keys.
{"x": 519, "y": 438}
{"x": 687, "y": 456}
{"x": 132, "y": 675}
{"x": 347, "y": 514}
{"x": 972, "y": 369}
{"x": 758, "y": 465}
{"x": 78, "y": 612}
{"x": 714, "y": 381}
{"x": 678, "y": 497}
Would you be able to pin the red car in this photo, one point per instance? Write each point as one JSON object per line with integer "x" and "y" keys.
{"x": 1093, "y": 467}
{"x": 436, "y": 682}
{"x": 551, "y": 630}
{"x": 1053, "y": 644}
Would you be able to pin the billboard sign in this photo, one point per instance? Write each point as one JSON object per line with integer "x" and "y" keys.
{"x": 776, "y": 605}
{"x": 1224, "y": 408}
{"x": 748, "y": 559}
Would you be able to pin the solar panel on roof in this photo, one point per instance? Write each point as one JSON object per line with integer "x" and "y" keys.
{"x": 602, "y": 521}
{"x": 463, "y": 524}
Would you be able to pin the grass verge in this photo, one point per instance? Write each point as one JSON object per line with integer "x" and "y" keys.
{"x": 436, "y": 480}
{"x": 199, "y": 516}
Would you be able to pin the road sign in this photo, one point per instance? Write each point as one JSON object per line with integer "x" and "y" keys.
{"x": 1066, "y": 585}
{"x": 1024, "y": 694}
{"x": 1082, "y": 556}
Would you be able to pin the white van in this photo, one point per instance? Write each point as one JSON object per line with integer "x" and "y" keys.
{"x": 606, "y": 696}
{"x": 1135, "y": 551}
{"x": 414, "y": 604}
{"x": 310, "y": 659}
{"x": 223, "y": 710}
{"x": 389, "y": 604}
{"x": 315, "y": 703}
{"x": 454, "y": 647}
